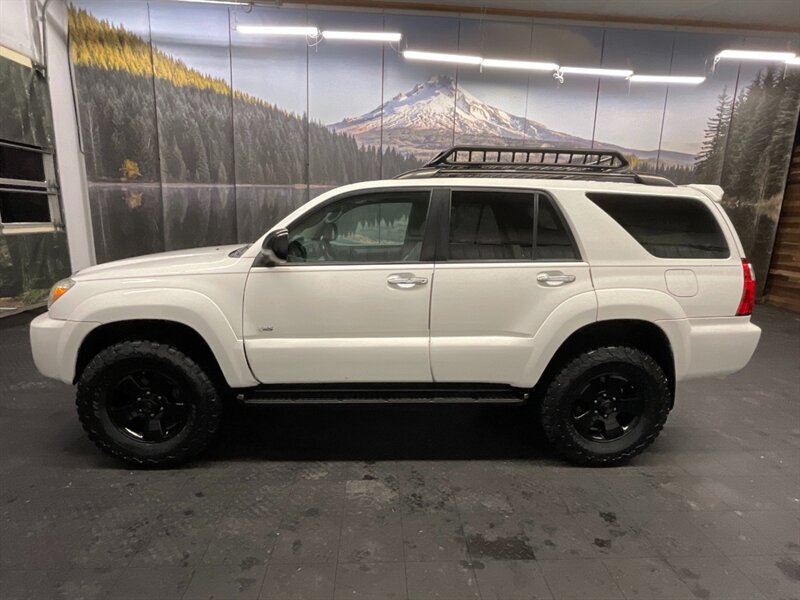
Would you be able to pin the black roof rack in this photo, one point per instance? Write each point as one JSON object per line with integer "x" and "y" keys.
{"x": 538, "y": 162}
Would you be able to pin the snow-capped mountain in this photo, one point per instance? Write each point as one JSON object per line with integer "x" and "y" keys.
{"x": 420, "y": 122}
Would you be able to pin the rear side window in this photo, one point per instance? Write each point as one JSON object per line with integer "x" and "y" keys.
{"x": 494, "y": 225}
{"x": 666, "y": 226}
{"x": 552, "y": 240}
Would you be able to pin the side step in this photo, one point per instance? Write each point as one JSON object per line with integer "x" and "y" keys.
{"x": 382, "y": 394}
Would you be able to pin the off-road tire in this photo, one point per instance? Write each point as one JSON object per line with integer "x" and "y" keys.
{"x": 191, "y": 441}
{"x": 556, "y": 406}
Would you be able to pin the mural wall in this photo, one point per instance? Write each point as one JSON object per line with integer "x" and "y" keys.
{"x": 29, "y": 262}
{"x": 196, "y": 134}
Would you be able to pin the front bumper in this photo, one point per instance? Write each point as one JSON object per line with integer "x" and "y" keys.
{"x": 55, "y": 344}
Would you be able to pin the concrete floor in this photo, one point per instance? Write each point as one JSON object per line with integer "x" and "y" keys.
{"x": 452, "y": 502}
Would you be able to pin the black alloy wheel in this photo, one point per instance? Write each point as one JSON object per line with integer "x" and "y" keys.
{"x": 607, "y": 408}
{"x": 605, "y": 405}
{"x": 149, "y": 406}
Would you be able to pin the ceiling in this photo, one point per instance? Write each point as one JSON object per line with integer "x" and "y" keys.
{"x": 777, "y": 15}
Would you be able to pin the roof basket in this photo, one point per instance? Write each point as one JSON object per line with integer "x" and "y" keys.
{"x": 568, "y": 159}
{"x": 538, "y": 162}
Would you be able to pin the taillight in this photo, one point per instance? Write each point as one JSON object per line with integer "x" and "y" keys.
{"x": 748, "y": 290}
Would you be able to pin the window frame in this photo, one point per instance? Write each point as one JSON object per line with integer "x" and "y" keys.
{"x": 443, "y": 251}
{"x": 429, "y": 238}
{"x": 46, "y": 187}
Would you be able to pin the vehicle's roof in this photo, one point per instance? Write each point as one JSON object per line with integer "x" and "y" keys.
{"x": 525, "y": 183}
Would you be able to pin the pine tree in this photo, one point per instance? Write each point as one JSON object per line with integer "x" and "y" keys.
{"x": 709, "y": 161}
{"x": 202, "y": 173}
{"x": 222, "y": 174}
{"x": 784, "y": 124}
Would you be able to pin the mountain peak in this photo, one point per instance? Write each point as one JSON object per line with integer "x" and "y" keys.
{"x": 441, "y": 81}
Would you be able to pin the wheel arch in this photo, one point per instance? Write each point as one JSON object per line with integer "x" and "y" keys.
{"x": 644, "y": 335}
{"x": 164, "y": 314}
{"x": 174, "y": 333}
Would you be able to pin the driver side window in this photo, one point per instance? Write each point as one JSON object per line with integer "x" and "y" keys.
{"x": 372, "y": 228}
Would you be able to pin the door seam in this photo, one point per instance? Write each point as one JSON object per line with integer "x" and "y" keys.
{"x": 430, "y": 310}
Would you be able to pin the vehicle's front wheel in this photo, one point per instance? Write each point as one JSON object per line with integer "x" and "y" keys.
{"x": 606, "y": 405}
{"x": 148, "y": 404}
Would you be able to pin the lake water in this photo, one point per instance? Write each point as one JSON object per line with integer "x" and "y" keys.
{"x": 134, "y": 219}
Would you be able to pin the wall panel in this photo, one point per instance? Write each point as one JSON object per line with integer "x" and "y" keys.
{"x": 288, "y": 117}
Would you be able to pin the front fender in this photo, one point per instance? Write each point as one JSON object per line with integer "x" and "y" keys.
{"x": 187, "y": 307}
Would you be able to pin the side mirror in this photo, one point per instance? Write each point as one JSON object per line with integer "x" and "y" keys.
{"x": 275, "y": 249}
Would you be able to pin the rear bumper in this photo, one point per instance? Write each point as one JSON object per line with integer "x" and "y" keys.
{"x": 55, "y": 344}
{"x": 711, "y": 347}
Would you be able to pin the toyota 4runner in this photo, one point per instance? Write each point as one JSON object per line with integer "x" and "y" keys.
{"x": 491, "y": 275}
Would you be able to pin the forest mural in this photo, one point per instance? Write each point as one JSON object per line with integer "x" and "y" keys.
{"x": 29, "y": 262}
{"x": 198, "y": 135}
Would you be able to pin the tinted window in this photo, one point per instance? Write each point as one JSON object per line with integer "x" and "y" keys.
{"x": 498, "y": 225}
{"x": 385, "y": 227}
{"x": 666, "y": 226}
{"x": 552, "y": 240}
{"x": 24, "y": 207}
{"x": 19, "y": 163}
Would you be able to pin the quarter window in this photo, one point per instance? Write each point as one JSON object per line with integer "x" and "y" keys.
{"x": 506, "y": 226}
{"x": 666, "y": 226}
{"x": 373, "y": 228}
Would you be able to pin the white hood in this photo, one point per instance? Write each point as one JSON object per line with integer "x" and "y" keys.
{"x": 177, "y": 262}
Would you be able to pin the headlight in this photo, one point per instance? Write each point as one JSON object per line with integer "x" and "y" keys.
{"x": 59, "y": 289}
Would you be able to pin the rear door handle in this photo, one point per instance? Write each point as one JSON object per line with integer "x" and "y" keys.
{"x": 554, "y": 278}
{"x": 406, "y": 280}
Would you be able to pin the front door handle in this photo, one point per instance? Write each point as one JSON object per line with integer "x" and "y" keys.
{"x": 554, "y": 278}
{"x": 406, "y": 280}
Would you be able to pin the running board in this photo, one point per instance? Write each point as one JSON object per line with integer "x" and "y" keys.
{"x": 383, "y": 394}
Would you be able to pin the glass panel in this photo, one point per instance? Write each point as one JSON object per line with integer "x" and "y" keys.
{"x": 24, "y": 207}
{"x": 19, "y": 163}
{"x": 491, "y": 226}
{"x": 363, "y": 229}
{"x": 552, "y": 240}
{"x": 667, "y": 227}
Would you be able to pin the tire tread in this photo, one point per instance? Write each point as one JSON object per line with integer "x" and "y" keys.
{"x": 192, "y": 446}
{"x": 551, "y": 418}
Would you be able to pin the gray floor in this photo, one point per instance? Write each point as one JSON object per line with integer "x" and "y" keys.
{"x": 417, "y": 502}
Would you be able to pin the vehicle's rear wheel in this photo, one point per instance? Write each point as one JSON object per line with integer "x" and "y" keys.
{"x": 606, "y": 405}
{"x": 148, "y": 404}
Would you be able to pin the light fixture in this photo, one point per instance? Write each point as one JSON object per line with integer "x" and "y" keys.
{"x": 228, "y": 2}
{"x": 687, "y": 79}
{"x": 754, "y": 55}
{"x": 597, "y": 72}
{"x": 794, "y": 61}
{"x": 524, "y": 65}
{"x": 367, "y": 36}
{"x": 463, "y": 59}
{"x": 277, "y": 30}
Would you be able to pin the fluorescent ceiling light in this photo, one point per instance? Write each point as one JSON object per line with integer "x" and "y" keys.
{"x": 518, "y": 64}
{"x": 276, "y": 30}
{"x": 229, "y": 2}
{"x": 793, "y": 61}
{"x": 368, "y": 36}
{"x": 754, "y": 55}
{"x": 463, "y": 59}
{"x": 597, "y": 72}
{"x": 688, "y": 79}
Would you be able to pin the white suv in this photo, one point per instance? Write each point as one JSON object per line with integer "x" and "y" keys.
{"x": 492, "y": 274}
